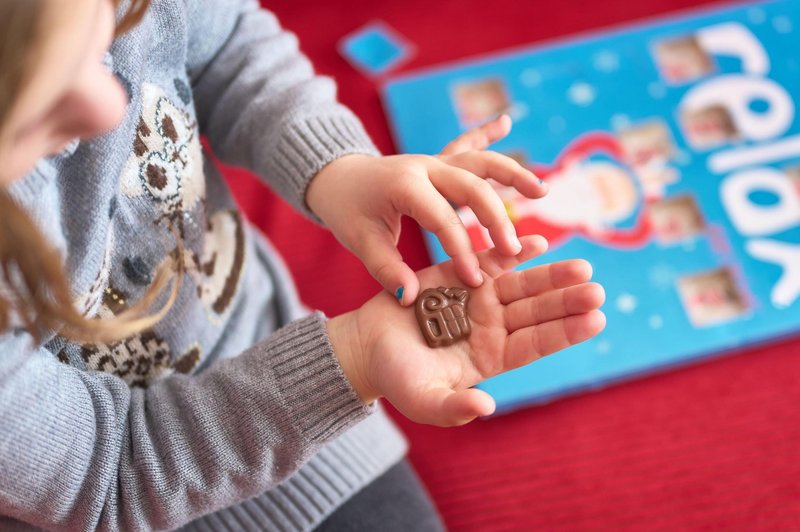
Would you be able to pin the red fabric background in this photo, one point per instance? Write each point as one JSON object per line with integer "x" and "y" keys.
{"x": 714, "y": 446}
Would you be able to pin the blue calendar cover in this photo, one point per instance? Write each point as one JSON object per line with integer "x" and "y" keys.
{"x": 672, "y": 151}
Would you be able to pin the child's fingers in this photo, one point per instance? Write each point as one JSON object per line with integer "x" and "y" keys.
{"x": 532, "y": 343}
{"x": 444, "y": 407}
{"x": 385, "y": 264}
{"x": 481, "y": 137}
{"x": 534, "y": 281}
{"x": 429, "y": 208}
{"x": 495, "y": 263}
{"x": 553, "y": 305}
{"x": 501, "y": 168}
{"x": 466, "y": 188}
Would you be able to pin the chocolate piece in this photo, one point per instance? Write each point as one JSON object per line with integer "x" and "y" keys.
{"x": 442, "y": 315}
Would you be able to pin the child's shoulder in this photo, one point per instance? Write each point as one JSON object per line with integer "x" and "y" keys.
{"x": 186, "y": 32}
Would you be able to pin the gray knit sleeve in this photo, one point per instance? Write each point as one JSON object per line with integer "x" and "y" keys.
{"x": 80, "y": 450}
{"x": 259, "y": 101}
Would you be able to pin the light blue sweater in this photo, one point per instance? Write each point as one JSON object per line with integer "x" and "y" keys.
{"x": 237, "y": 393}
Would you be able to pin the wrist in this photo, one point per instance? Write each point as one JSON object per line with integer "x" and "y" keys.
{"x": 325, "y": 184}
{"x": 348, "y": 346}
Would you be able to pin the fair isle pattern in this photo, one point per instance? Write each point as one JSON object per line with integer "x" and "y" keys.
{"x": 219, "y": 269}
{"x": 137, "y": 360}
{"x": 166, "y": 167}
{"x": 189, "y": 359}
{"x": 167, "y": 162}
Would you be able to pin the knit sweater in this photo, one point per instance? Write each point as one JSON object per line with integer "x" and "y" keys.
{"x": 232, "y": 412}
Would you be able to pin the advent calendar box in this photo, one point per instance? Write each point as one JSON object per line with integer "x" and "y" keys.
{"x": 672, "y": 151}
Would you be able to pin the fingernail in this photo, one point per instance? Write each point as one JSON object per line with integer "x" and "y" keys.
{"x": 399, "y": 293}
{"x": 478, "y": 276}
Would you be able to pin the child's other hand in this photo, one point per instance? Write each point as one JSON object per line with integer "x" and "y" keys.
{"x": 362, "y": 198}
{"x": 516, "y": 318}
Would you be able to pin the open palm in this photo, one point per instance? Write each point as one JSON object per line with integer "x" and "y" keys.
{"x": 516, "y": 317}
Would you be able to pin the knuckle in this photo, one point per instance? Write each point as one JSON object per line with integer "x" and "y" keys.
{"x": 535, "y": 309}
{"x": 481, "y": 191}
{"x": 486, "y": 190}
{"x": 414, "y": 164}
{"x": 407, "y": 185}
{"x": 382, "y": 272}
{"x": 409, "y": 174}
{"x": 453, "y": 220}
{"x": 524, "y": 285}
{"x": 447, "y": 224}
{"x": 406, "y": 174}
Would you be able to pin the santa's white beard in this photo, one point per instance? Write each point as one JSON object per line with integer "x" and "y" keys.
{"x": 572, "y": 201}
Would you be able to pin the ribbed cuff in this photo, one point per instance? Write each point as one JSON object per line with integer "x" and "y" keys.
{"x": 321, "y": 400}
{"x": 309, "y": 144}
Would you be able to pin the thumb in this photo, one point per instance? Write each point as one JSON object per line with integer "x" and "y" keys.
{"x": 381, "y": 258}
{"x": 447, "y": 408}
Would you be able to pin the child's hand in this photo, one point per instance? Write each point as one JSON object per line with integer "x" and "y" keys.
{"x": 516, "y": 318}
{"x": 362, "y": 198}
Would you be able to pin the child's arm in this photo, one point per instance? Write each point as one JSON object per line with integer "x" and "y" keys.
{"x": 82, "y": 451}
{"x": 262, "y": 107}
{"x": 259, "y": 101}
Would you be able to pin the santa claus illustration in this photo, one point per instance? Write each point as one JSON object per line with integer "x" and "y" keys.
{"x": 593, "y": 194}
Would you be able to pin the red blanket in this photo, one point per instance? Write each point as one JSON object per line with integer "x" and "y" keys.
{"x": 714, "y": 446}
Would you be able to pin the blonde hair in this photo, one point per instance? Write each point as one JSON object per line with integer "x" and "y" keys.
{"x": 36, "y": 292}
